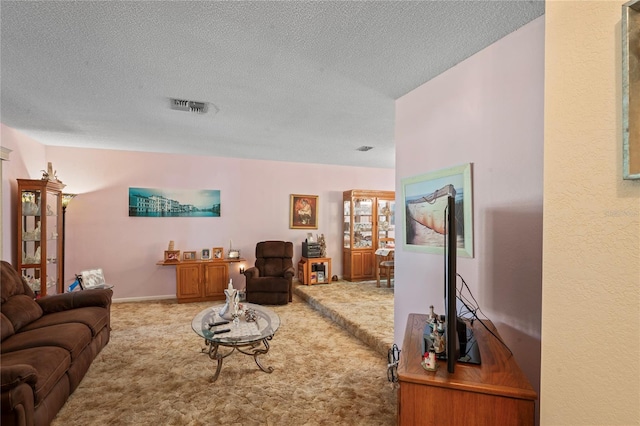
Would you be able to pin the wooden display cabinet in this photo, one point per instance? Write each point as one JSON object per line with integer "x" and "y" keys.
{"x": 201, "y": 281}
{"x": 496, "y": 392}
{"x": 40, "y": 233}
{"x": 368, "y": 224}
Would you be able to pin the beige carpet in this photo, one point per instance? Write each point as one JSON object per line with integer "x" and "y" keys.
{"x": 364, "y": 310}
{"x": 153, "y": 373}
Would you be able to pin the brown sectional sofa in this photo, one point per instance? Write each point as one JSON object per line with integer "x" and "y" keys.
{"x": 47, "y": 346}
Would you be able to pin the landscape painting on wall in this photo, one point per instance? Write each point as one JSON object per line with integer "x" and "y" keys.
{"x": 425, "y": 199}
{"x": 149, "y": 202}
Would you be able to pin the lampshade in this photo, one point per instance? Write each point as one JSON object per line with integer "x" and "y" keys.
{"x": 66, "y": 199}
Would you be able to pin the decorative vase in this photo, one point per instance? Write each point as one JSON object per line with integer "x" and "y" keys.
{"x": 231, "y": 304}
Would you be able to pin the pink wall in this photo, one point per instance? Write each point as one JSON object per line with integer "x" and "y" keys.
{"x": 254, "y": 197}
{"x": 488, "y": 110}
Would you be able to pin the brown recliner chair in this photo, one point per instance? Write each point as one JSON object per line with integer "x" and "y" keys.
{"x": 269, "y": 282}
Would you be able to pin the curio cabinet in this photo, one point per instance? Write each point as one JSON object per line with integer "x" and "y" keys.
{"x": 40, "y": 254}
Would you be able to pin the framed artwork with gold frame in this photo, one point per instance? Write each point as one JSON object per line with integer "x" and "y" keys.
{"x": 303, "y": 211}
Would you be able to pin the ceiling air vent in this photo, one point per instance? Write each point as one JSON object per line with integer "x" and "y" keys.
{"x": 190, "y": 106}
{"x": 364, "y": 148}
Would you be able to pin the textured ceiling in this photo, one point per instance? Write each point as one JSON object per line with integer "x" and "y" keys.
{"x": 290, "y": 81}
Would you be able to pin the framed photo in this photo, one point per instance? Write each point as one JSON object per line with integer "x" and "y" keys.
{"x": 425, "y": 199}
{"x": 218, "y": 252}
{"x": 205, "y": 254}
{"x": 631, "y": 90}
{"x": 172, "y": 255}
{"x": 303, "y": 211}
{"x": 189, "y": 255}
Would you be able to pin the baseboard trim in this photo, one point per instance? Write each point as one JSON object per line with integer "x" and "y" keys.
{"x": 144, "y": 298}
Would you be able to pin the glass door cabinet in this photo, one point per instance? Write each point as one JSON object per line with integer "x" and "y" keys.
{"x": 368, "y": 224}
{"x": 40, "y": 254}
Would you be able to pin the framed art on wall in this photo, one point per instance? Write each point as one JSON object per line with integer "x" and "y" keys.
{"x": 151, "y": 202}
{"x": 303, "y": 211}
{"x": 631, "y": 90}
{"x": 425, "y": 198}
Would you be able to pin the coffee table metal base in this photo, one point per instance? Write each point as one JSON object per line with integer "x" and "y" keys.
{"x": 253, "y": 349}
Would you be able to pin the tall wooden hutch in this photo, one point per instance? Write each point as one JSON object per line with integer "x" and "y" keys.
{"x": 40, "y": 256}
{"x": 368, "y": 224}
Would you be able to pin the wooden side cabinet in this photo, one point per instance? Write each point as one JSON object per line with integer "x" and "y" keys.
{"x": 198, "y": 280}
{"x": 314, "y": 270}
{"x": 496, "y": 392}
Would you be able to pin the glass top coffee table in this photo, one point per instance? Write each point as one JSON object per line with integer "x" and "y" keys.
{"x": 248, "y": 337}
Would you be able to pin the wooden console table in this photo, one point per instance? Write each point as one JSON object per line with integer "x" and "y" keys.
{"x": 201, "y": 280}
{"x": 306, "y": 273}
{"x": 494, "y": 393}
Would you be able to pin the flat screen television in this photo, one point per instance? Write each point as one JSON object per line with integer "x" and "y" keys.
{"x": 450, "y": 279}
{"x": 461, "y": 345}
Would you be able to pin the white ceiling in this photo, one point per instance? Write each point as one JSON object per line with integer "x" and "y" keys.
{"x": 291, "y": 81}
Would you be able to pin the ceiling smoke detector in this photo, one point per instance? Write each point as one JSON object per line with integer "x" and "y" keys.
{"x": 364, "y": 148}
{"x": 189, "y": 106}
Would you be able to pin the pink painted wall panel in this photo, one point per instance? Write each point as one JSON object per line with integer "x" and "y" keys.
{"x": 487, "y": 110}
{"x": 254, "y": 203}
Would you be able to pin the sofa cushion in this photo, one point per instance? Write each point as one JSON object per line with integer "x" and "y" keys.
{"x": 73, "y": 337}
{"x": 270, "y": 249}
{"x": 21, "y": 309}
{"x": 75, "y": 299}
{"x": 270, "y": 285}
{"x": 48, "y": 363}
{"x": 93, "y": 317}
{"x": 6, "y": 327}
{"x": 12, "y": 283}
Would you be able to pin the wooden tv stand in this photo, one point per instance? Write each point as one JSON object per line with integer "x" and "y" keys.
{"x": 494, "y": 393}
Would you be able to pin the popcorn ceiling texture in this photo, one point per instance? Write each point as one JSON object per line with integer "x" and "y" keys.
{"x": 293, "y": 81}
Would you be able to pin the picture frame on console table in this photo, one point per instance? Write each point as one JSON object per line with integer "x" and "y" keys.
{"x": 205, "y": 254}
{"x": 425, "y": 198}
{"x": 218, "y": 253}
{"x": 303, "y": 211}
{"x": 172, "y": 255}
{"x": 189, "y": 255}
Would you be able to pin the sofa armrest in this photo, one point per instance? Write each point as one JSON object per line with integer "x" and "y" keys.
{"x": 252, "y": 272}
{"x": 12, "y": 376}
{"x": 75, "y": 299}
{"x": 289, "y": 272}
